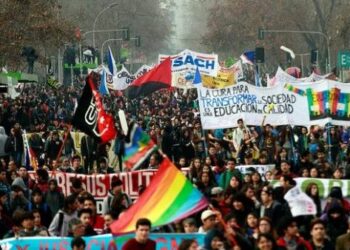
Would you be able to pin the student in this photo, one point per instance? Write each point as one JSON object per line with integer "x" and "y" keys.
{"x": 78, "y": 244}
{"x": 141, "y": 240}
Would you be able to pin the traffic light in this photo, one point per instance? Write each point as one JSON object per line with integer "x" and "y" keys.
{"x": 126, "y": 34}
{"x": 289, "y": 58}
{"x": 261, "y": 34}
{"x": 259, "y": 55}
{"x": 314, "y": 57}
{"x": 137, "y": 41}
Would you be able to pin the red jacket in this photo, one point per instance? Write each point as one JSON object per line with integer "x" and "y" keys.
{"x": 300, "y": 242}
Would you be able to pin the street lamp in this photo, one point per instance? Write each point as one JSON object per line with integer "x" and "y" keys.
{"x": 262, "y": 31}
{"x": 98, "y": 15}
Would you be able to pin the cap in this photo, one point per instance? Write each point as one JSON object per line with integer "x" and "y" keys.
{"x": 206, "y": 214}
{"x": 216, "y": 190}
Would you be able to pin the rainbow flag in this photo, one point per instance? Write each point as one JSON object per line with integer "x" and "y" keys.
{"x": 169, "y": 197}
{"x": 138, "y": 146}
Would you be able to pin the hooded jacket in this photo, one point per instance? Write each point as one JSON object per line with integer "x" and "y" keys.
{"x": 55, "y": 198}
{"x": 3, "y": 138}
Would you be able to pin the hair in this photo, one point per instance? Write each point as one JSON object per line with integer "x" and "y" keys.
{"x": 76, "y": 183}
{"x": 73, "y": 222}
{"x": 78, "y": 242}
{"x": 113, "y": 214}
{"x": 76, "y": 157}
{"x": 84, "y": 211}
{"x": 284, "y": 224}
{"x": 186, "y": 243}
{"x": 37, "y": 191}
{"x": 317, "y": 221}
{"x": 143, "y": 222}
{"x": 265, "y": 218}
{"x": 27, "y": 215}
{"x": 69, "y": 200}
{"x": 90, "y": 198}
{"x": 267, "y": 236}
{"x": 289, "y": 179}
{"x": 309, "y": 187}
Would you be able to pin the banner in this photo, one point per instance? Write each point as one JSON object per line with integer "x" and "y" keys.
{"x": 324, "y": 185}
{"x": 261, "y": 169}
{"x": 102, "y": 242}
{"x": 302, "y": 104}
{"x": 185, "y": 63}
{"x": 165, "y": 241}
{"x": 99, "y": 184}
{"x": 225, "y": 78}
{"x": 282, "y": 77}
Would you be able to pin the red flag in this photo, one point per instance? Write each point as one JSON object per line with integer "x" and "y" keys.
{"x": 90, "y": 117}
{"x": 157, "y": 78}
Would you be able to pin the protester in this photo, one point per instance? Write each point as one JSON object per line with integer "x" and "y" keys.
{"x": 78, "y": 244}
{"x": 59, "y": 224}
{"x": 141, "y": 240}
{"x": 252, "y": 207}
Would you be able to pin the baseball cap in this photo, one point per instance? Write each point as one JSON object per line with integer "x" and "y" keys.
{"x": 216, "y": 190}
{"x": 206, "y": 214}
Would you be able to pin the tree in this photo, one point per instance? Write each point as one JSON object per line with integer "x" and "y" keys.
{"x": 233, "y": 26}
{"x": 149, "y": 19}
{"x": 31, "y": 23}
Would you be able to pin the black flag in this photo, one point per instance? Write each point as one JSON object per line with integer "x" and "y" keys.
{"x": 90, "y": 117}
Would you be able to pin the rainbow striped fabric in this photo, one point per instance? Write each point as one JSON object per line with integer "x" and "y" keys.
{"x": 138, "y": 146}
{"x": 169, "y": 197}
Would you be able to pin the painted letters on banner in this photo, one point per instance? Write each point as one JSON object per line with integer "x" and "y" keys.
{"x": 99, "y": 184}
{"x": 225, "y": 78}
{"x": 185, "y": 63}
{"x": 324, "y": 185}
{"x": 302, "y": 104}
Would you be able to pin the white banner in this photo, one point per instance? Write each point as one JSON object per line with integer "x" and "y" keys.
{"x": 302, "y": 104}
{"x": 324, "y": 185}
{"x": 299, "y": 202}
{"x": 261, "y": 169}
{"x": 185, "y": 63}
{"x": 283, "y": 77}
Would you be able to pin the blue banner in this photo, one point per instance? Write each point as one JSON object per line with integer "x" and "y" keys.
{"x": 107, "y": 241}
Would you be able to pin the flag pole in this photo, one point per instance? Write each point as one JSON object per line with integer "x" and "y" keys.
{"x": 64, "y": 142}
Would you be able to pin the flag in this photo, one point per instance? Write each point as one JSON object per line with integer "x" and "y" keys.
{"x": 122, "y": 79}
{"x": 111, "y": 62}
{"x": 299, "y": 202}
{"x": 248, "y": 57}
{"x": 157, "y": 78}
{"x": 197, "y": 78}
{"x": 30, "y": 158}
{"x": 90, "y": 116}
{"x": 103, "y": 89}
{"x": 138, "y": 146}
{"x": 169, "y": 197}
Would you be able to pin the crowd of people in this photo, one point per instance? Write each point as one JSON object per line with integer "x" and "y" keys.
{"x": 247, "y": 211}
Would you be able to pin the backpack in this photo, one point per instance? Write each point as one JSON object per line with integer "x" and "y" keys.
{"x": 60, "y": 221}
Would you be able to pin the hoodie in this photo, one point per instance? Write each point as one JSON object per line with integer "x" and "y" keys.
{"x": 55, "y": 198}
{"x": 53, "y": 229}
{"x": 3, "y": 138}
